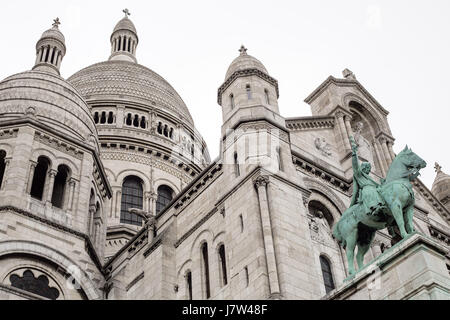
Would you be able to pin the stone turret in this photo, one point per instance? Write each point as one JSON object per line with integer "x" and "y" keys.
{"x": 124, "y": 40}
{"x": 441, "y": 186}
{"x": 50, "y": 50}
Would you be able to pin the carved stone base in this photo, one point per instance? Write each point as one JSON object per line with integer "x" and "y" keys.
{"x": 414, "y": 268}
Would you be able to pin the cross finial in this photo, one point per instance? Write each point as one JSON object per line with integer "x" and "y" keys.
{"x": 243, "y": 50}
{"x": 56, "y": 23}
{"x": 437, "y": 167}
{"x": 127, "y": 12}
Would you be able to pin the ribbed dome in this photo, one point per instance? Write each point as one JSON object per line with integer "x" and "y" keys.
{"x": 53, "y": 33}
{"x": 244, "y": 61}
{"x": 50, "y": 100}
{"x": 124, "y": 80}
{"x": 125, "y": 24}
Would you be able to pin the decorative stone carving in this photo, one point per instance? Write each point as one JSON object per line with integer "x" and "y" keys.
{"x": 320, "y": 230}
{"x": 260, "y": 181}
{"x": 322, "y": 145}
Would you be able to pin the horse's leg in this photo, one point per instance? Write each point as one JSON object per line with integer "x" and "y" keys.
{"x": 350, "y": 250}
{"x": 409, "y": 213}
{"x": 362, "y": 250}
{"x": 397, "y": 212}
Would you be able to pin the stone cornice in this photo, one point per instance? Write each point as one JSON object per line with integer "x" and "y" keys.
{"x": 430, "y": 197}
{"x": 88, "y": 244}
{"x": 245, "y": 73}
{"x": 309, "y": 123}
{"x": 344, "y": 83}
{"x": 316, "y": 170}
{"x": 338, "y": 110}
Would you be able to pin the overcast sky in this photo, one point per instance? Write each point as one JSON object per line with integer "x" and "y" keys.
{"x": 398, "y": 50}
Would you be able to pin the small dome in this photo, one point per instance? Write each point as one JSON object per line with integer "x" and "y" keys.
{"x": 125, "y": 24}
{"x": 48, "y": 99}
{"x": 53, "y": 33}
{"x": 441, "y": 184}
{"x": 243, "y": 62}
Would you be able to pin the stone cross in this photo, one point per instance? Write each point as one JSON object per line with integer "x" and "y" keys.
{"x": 437, "y": 167}
{"x": 127, "y": 12}
{"x": 56, "y": 23}
{"x": 243, "y": 50}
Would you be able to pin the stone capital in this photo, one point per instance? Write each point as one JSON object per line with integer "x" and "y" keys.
{"x": 52, "y": 173}
{"x": 261, "y": 181}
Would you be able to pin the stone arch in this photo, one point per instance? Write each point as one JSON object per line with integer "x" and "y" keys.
{"x": 69, "y": 163}
{"x": 42, "y": 251}
{"x": 130, "y": 172}
{"x": 46, "y": 153}
{"x": 373, "y": 112}
{"x": 111, "y": 174}
{"x": 204, "y": 236}
{"x": 7, "y": 148}
{"x": 328, "y": 193}
{"x": 161, "y": 181}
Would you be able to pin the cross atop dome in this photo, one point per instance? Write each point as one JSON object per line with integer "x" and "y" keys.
{"x": 437, "y": 167}
{"x": 56, "y": 23}
{"x": 127, "y": 12}
{"x": 243, "y": 50}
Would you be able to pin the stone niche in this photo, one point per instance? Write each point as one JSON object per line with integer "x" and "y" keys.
{"x": 413, "y": 269}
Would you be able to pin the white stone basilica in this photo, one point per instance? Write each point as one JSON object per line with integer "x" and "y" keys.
{"x": 107, "y": 190}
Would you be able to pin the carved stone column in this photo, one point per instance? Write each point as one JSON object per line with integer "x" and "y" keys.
{"x": 31, "y": 176}
{"x": 120, "y": 115}
{"x": 260, "y": 183}
{"x": 342, "y": 130}
{"x": 118, "y": 203}
{"x": 51, "y": 181}
{"x": 92, "y": 209}
{"x": 5, "y": 173}
{"x": 71, "y": 193}
{"x": 348, "y": 126}
{"x": 379, "y": 155}
{"x": 386, "y": 154}
{"x": 391, "y": 150}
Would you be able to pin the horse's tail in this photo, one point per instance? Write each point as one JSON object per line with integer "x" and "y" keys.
{"x": 338, "y": 236}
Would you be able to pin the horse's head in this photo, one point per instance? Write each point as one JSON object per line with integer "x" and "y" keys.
{"x": 413, "y": 163}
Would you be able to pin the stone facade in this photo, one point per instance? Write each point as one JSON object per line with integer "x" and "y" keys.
{"x": 107, "y": 190}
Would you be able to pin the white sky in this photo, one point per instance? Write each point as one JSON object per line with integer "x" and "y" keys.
{"x": 398, "y": 50}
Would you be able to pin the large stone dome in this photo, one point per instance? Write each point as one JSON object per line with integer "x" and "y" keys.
{"x": 128, "y": 80}
{"x": 50, "y": 100}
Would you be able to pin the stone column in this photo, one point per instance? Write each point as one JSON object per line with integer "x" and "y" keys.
{"x": 118, "y": 203}
{"x": 341, "y": 126}
{"x": 260, "y": 183}
{"x": 5, "y": 172}
{"x": 71, "y": 193}
{"x": 44, "y": 54}
{"x": 58, "y": 62}
{"x": 379, "y": 156}
{"x": 386, "y": 154}
{"x": 391, "y": 150}
{"x": 348, "y": 126}
{"x": 50, "y": 59}
{"x": 51, "y": 181}
{"x": 38, "y": 55}
{"x": 120, "y": 114}
{"x": 90, "y": 229}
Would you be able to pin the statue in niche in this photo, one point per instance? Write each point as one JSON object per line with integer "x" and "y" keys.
{"x": 365, "y": 150}
{"x": 322, "y": 145}
{"x": 320, "y": 229}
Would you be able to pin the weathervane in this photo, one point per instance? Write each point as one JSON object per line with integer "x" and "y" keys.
{"x": 127, "y": 12}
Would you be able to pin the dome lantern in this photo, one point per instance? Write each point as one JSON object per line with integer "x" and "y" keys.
{"x": 124, "y": 40}
{"x": 50, "y": 49}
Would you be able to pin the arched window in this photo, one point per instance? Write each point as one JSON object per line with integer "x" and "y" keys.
{"x": 59, "y": 186}
{"x": 131, "y": 198}
{"x": 204, "y": 253}
{"x": 129, "y": 121}
{"x": 120, "y": 44}
{"x": 236, "y": 165}
{"x": 103, "y": 117}
{"x": 165, "y": 195}
{"x": 39, "y": 177}
{"x": 159, "y": 129}
{"x": 189, "y": 284}
{"x": 136, "y": 121}
{"x": 124, "y": 43}
{"x": 166, "y": 131}
{"x": 171, "y": 133}
{"x": 143, "y": 122}
{"x": 223, "y": 265}
{"x": 232, "y": 101}
{"x": 129, "y": 44}
{"x": 249, "y": 91}
{"x": 96, "y": 117}
{"x": 2, "y": 166}
{"x": 110, "y": 117}
{"x": 266, "y": 92}
{"x": 30, "y": 283}
{"x": 327, "y": 274}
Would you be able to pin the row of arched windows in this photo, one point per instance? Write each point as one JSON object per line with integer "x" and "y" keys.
{"x": 221, "y": 256}
{"x": 132, "y": 197}
{"x": 248, "y": 90}
{"x": 104, "y": 117}
{"x": 124, "y": 44}
{"x": 165, "y": 130}
{"x": 49, "y": 54}
{"x": 57, "y": 184}
{"x": 136, "y": 121}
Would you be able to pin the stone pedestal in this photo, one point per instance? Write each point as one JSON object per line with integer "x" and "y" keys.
{"x": 414, "y": 268}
